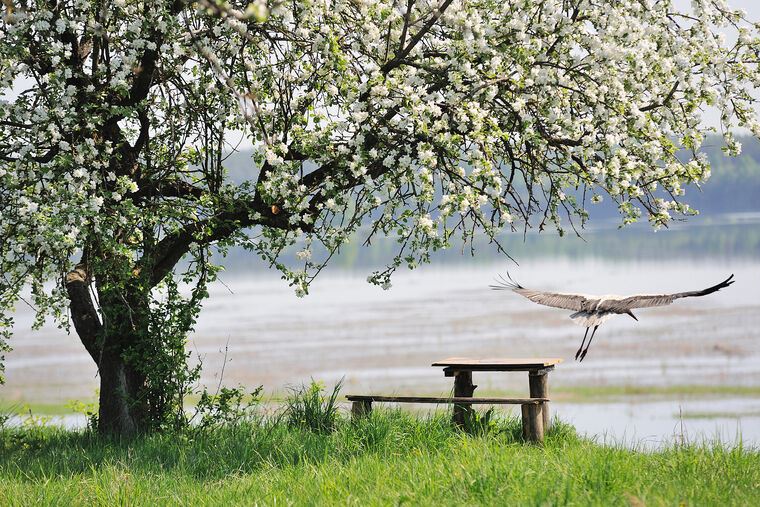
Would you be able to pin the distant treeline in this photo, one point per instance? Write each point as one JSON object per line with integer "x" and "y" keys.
{"x": 735, "y": 182}
{"x": 733, "y": 187}
{"x": 696, "y": 240}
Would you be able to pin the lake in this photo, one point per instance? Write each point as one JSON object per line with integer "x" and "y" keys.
{"x": 690, "y": 370}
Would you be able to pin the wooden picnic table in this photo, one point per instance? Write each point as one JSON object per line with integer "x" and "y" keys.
{"x": 538, "y": 369}
{"x": 535, "y": 409}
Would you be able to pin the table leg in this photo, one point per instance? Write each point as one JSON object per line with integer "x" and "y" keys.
{"x": 360, "y": 408}
{"x": 532, "y": 423}
{"x": 463, "y": 388}
{"x": 539, "y": 388}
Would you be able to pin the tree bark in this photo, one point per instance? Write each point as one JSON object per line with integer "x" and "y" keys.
{"x": 121, "y": 412}
{"x": 83, "y": 313}
{"x": 122, "y": 408}
{"x": 118, "y": 413}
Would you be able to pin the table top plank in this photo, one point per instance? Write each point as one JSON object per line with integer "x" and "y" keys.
{"x": 499, "y": 363}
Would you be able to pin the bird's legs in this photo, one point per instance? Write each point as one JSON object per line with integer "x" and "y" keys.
{"x": 582, "y": 344}
{"x": 589, "y": 343}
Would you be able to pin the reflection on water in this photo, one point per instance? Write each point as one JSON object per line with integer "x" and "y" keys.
{"x": 651, "y": 424}
{"x": 384, "y": 341}
{"x": 642, "y": 424}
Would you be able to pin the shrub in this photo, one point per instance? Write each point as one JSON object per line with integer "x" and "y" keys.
{"x": 227, "y": 406}
{"x": 308, "y": 407}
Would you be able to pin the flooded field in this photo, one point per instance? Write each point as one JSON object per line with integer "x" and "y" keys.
{"x": 691, "y": 369}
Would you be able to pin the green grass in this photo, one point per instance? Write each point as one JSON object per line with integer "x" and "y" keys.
{"x": 602, "y": 394}
{"x": 591, "y": 393}
{"x": 718, "y": 415}
{"x": 22, "y": 407}
{"x": 391, "y": 457}
{"x": 569, "y": 394}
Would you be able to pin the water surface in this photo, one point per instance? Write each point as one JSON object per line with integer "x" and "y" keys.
{"x": 384, "y": 341}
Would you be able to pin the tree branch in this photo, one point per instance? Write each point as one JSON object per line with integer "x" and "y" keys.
{"x": 396, "y": 60}
{"x": 83, "y": 312}
{"x": 240, "y": 215}
{"x": 655, "y": 105}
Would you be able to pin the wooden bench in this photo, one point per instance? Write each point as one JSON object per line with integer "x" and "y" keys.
{"x": 535, "y": 410}
{"x": 532, "y": 419}
{"x": 538, "y": 368}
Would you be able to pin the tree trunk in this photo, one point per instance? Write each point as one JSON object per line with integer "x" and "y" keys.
{"x": 120, "y": 412}
{"x": 107, "y": 334}
{"x": 122, "y": 406}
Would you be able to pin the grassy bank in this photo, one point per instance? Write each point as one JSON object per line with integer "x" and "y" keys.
{"x": 390, "y": 458}
{"x": 568, "y": 394}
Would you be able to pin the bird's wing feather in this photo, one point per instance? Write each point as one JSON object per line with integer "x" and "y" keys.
{"x": 554, "y": 299}
{"x": 638, "y": 301}
{"x": 650, "y": 300}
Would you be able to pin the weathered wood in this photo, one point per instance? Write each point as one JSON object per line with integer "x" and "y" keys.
{"x": 535, "y": 410}
{"x": 451, "y": 371}
{"x": 532, "y": 418}
{"x": 532, "y": 423}
{"x": 361, "y": 408}
{"x": 497, "y": 363}
{"x": 463, "y": 388}
{"x": 425, "y": 399}
{"x": 539, "y": 388}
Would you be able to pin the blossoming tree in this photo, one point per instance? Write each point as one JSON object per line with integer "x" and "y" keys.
{"x": 422, "y": 119}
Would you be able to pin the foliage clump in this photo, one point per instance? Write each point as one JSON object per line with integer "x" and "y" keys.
{"x": 310, "y": 407}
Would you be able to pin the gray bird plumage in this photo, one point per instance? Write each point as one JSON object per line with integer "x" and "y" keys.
{"x": 592, "y": 311}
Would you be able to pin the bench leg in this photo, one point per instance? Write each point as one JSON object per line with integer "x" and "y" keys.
{"x": 463, "y": 388}
{"x": 532, "y": 423}
{"x": 361, "y": 408}
{"x": 539, "y": 388}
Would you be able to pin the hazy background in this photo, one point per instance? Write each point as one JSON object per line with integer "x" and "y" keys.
{"x": 693, "y": 367}
{"x": 689, "y": 370}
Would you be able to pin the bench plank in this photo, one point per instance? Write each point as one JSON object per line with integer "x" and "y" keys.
{"x": 425, "y": 399}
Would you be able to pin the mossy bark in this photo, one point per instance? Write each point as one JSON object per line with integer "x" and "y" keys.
{"x": 108, "y": 331}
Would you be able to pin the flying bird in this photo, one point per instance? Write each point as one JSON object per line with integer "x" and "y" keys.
{"x": 592, "y": 311}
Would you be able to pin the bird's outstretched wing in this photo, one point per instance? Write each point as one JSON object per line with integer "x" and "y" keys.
{"x": 554, "y": 299}
{"x": 647, "y": 301}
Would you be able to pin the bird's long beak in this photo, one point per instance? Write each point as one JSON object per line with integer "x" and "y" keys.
{"x": 632, "y": 315}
